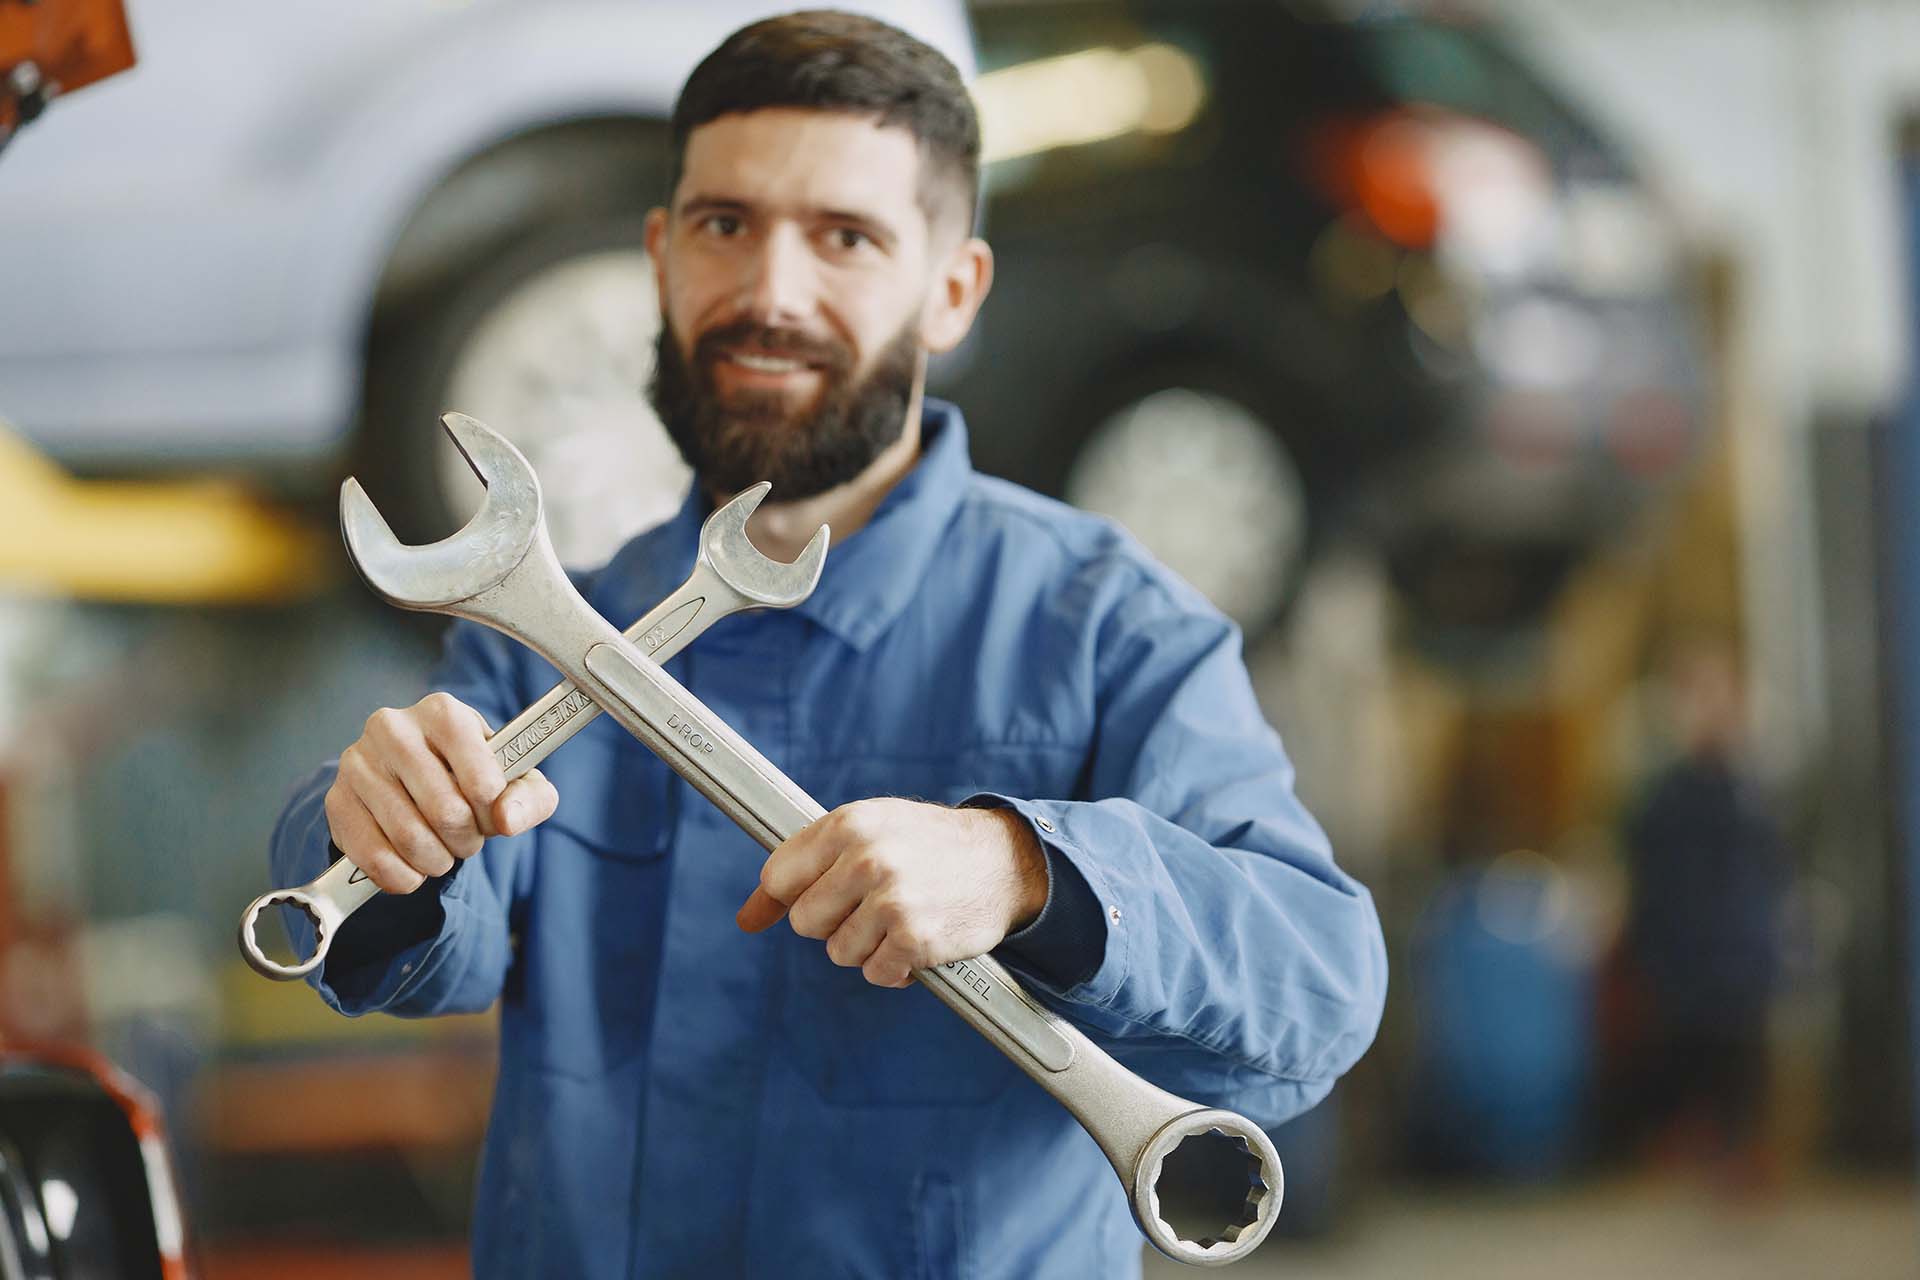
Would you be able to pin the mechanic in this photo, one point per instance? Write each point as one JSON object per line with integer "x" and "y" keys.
{"x": 1040, "y": 742}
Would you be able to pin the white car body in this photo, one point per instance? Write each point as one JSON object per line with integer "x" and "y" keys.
{"x": 189, "y": 252}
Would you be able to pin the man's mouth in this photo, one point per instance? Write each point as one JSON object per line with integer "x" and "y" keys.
{"x": 767, "y": 364}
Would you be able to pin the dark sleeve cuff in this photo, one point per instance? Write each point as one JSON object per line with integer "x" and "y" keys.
{"x": 387, "y": 927}
{"x": 1065, "y": 943}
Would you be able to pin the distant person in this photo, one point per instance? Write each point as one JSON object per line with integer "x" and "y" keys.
{"x": 1702, "y": 934}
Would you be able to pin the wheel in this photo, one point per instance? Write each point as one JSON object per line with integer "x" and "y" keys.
{"x": 552, "y": 345}
{"x": 1209, "y": 486}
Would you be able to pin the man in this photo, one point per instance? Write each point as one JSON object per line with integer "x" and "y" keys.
{"x": 1094, "y": 795}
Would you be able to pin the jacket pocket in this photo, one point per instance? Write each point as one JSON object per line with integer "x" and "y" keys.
{"x": 589, "y": 941}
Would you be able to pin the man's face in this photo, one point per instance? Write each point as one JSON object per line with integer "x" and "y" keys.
{"x": 795, "y": 282}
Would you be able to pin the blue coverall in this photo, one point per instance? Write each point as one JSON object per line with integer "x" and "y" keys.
{"x": 678, "y": 1098}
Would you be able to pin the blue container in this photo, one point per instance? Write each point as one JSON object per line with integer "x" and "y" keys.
{"x": 1504, "y": 1050}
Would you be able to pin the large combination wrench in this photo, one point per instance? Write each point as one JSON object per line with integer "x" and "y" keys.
{"x": 729, "y": 575}
{"x": 1204, "y": 1184}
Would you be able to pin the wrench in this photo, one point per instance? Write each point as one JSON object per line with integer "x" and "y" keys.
{"x": 1204, "y": 1184}
{"x": 729, "y": 575}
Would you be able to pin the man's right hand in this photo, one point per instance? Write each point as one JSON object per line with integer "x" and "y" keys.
{"x": 421, "y": 790}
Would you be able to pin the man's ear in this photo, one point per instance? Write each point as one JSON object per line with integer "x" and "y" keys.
{"x": 656, "y": 241}
{"x": 959, "y": 287}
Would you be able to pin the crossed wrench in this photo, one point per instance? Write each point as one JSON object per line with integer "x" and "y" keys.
{"x": 729, "y": 575}
{"x": 1204, "y": 1184}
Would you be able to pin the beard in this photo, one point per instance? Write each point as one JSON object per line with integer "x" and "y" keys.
{"x": 732, "y": 442}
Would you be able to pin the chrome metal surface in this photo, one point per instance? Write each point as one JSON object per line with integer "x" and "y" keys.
{"x": 729, "y": 575}
{"x": 1211, "y": 1206}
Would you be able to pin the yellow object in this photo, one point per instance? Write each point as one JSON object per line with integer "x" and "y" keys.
{"x": 196, "y": 541}
{"x": 256, "y": 1015}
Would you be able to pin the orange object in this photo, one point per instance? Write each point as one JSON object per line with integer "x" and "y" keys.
{"x": 1379, "y": 165}
{"x": 72, "y": 43}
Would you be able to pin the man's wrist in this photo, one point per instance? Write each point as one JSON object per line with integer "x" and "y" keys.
{"x": 1029, "y": 866}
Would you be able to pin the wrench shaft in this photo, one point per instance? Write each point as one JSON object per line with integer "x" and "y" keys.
{"x": 564, "y": 710}
{"x": 530, "y": 737}
{"x": 501, "y": 571}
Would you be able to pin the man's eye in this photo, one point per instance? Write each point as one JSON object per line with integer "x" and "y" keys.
{"x": 724, "y": 225}
{"x": 849, "y": 238}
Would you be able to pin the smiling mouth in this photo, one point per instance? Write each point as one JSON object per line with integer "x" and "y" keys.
{"x": 766, "y": 363}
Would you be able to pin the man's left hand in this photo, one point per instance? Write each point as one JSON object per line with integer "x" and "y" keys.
{"x": 898, "y": 885}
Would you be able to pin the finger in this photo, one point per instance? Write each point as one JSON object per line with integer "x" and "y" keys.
{"x": 855, "y": 941}
{"x": 760, "y": 911}
{"x": 401, "y": 750}
{"x": 885, "y": 968}
{"x": 527, "y": 802}
{"x": 402, "y": 827}
{"x": 457, "y": 733}
{"x": 791, "y": 869}
{"x": 828, "y": 902}
{"x": 358, "y": 836}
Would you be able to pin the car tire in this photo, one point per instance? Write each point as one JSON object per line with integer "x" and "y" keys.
{"x": 1195, "y": 463}
{"x": 552, "y": 344}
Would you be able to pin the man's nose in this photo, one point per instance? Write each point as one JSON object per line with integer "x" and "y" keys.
{"x": 780, "y": 287}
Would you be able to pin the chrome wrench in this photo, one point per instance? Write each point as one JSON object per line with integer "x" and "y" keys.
{"x": 729, "y": 575}
{"x": 1204, "y": 1184}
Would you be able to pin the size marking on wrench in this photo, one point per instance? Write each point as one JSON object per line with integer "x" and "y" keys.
{"x": 1228, "y": 1176}
{"x": 729, "y": 575}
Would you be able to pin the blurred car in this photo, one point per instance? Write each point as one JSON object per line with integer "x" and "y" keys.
{"x": 1267, "y": 278}
{"x": 306, "y": 228}
{"x": 87, "y": 1186}
{"x": 86, "y": 1183}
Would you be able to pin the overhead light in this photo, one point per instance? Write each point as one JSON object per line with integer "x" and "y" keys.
{"x": 1088, "y": 96}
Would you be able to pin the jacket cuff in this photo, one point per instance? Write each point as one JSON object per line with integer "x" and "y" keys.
{"x": 1072, "y": 948}
{"x": 391, "y": 946}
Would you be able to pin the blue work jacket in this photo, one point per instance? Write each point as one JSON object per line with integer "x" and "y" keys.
{"x": 679, "y": 1098}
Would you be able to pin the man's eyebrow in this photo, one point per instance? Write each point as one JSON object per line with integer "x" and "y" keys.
{"x": 878, "y": 227}
{"x": 698, "y": 203}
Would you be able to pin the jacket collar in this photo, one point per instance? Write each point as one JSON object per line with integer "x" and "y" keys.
{"x": 869, "y": 579}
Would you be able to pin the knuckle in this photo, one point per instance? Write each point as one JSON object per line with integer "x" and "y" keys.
{"x": 452, "y": 815}
{"x": 419, "y": 847}
{"x": 439, "y": 704}
{"x": 393, "y": 875}
{"x": 867, "y": 863}
{"x": 777, "y": 881}
{"x": 892, "y": 914}
{"x": 354, "y": 766}
{"x": 861, "y": 822}
{"x": 908, "y": 940}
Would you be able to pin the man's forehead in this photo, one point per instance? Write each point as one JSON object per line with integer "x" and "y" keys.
{"x": 785, "y": 156}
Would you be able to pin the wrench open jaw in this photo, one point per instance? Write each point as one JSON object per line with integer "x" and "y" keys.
{"x": 729, "y": 575}
{"x": 1204, "y": 1184}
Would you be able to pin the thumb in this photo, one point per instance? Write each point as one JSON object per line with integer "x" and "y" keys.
{"x": 760, "y": 911}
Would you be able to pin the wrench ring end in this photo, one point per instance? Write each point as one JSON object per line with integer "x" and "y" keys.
{"x": 263, "y": 964}
{"x": 1205, "y": 1185}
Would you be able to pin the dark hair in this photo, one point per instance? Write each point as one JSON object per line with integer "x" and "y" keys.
{"x": 824, "y": 60}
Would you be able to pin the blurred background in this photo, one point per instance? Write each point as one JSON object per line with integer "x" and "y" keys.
{"x": 1533, "y": 382}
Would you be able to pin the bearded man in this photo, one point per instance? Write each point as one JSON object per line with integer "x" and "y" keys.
{"x": 1040, "y": 743}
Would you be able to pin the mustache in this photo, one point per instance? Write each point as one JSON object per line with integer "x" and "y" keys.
{"x": 773, "y": 340}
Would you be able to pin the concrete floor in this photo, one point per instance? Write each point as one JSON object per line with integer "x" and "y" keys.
{"x": 1642, "y": 1229}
